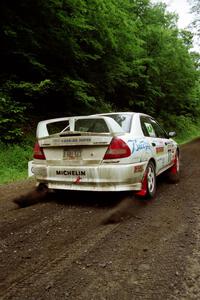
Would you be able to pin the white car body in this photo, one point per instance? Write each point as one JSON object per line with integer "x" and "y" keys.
{"x": 83, "y": 159}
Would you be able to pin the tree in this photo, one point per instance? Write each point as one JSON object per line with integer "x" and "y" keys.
{"x": 78, "y": 57}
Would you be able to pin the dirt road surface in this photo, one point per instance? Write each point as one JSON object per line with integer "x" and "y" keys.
{"x": 87, "y": 246}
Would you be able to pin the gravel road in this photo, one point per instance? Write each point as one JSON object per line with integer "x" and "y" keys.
{"x": 78, "y": 245}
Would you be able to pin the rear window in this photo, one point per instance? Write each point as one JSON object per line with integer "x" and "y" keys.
{"x": 91, "y": 125}
{"x": 58, "y": 126}
{"x": 124, "y": 120}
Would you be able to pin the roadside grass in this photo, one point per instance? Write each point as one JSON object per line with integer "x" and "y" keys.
{"x": 187, "y": 131}
{"x": 14, "y": 161}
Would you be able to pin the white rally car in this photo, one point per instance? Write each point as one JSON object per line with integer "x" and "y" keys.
{"x": 122, "y": 151}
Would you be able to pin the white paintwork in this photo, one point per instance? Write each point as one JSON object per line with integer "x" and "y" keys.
{"x": 107, "y": 177}
{"x": 30, "y": 168}
{"x": 89, "y": 171}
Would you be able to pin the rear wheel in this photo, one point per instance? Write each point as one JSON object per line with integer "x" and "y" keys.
{"x": 149, "y": 182}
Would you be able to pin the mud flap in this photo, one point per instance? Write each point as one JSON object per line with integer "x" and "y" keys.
{"x": 173, "y": 169}
{"x": 143, "y": 191}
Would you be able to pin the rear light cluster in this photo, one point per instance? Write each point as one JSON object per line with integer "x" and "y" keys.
{"x": 38, "y": 152}
{"x": 117, "y": 149}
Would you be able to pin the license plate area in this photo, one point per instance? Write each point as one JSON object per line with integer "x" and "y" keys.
{"x": 72, "y": 154}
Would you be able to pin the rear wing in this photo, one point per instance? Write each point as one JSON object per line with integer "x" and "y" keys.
{"x": 42, "y": 130}
{"x": 108, "y": 125}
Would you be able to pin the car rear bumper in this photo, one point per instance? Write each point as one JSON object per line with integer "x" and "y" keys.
{"x": 90, "y": 178}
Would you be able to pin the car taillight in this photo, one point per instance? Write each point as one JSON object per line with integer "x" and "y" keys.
{"x": 38, "y": 152}
{"x": 117, "y": 149}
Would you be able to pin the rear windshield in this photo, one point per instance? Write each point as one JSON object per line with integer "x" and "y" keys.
{"x": 124, "y": 120}
{"x": 58, "y": 126}
{"x": 91, "y": 125}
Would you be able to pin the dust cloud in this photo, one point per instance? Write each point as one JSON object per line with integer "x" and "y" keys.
{"x": 128, "y": 206}
{"x": 33, "y": 197}
{"x": 124, "y": 210}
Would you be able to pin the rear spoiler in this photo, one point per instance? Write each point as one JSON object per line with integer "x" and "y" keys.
{"x": 42, "y": 131}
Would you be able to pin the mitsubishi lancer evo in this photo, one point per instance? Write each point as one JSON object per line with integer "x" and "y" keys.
{"x": 122, "y": 151}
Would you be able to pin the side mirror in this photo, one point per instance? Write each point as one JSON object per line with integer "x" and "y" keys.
{"x": 172, "y": 134}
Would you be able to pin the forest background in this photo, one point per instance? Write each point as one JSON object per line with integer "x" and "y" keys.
{"x": 74, "y": 57}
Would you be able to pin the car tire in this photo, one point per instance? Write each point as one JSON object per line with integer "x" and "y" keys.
{"x": 151, "y": 180}
{"x": 174, "y": 172}
{"x": 148, "y": 190}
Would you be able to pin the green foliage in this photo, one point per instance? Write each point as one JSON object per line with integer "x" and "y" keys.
{"x": 13, "y": 162}
{"x": 11, "y": 118}
{"x": 76, "y": 56}
{"x": 30, "y": 89}
{"x": 186, "y": 129}
{"x": 80, "y": 90}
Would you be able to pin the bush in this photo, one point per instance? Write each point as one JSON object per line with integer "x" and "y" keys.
{"x": 186, "y": 127}
{"x": 14, "y": 161}
{"x": 11, "y": 119}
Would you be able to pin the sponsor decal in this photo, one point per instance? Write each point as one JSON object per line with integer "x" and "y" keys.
{"x": 75, "y": 140}
{"x": 100, "y": 143}
{"x": 141, "y": 145}
{"x": 169, "y": 146}
{"x": 78, "y": 179}
{"x": 161, "y": 161}
{"x": 170, "y": 155}
{"x": 150, "y": 129}
{"x": 70, "y": 173}
{"x": 138, "y": 169}
{"x": 159, "y": 150}
{"x": 71, "y": 140}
